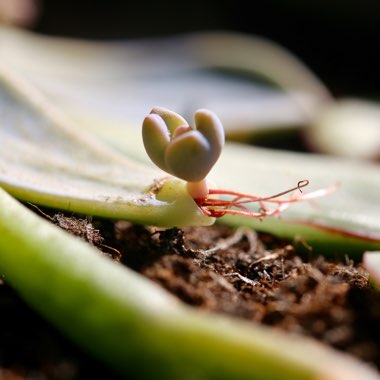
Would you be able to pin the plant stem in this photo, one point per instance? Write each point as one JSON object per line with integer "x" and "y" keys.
{"x": 198, "y": 190}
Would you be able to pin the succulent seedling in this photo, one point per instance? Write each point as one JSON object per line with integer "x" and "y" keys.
{"x": 190, "y": 152}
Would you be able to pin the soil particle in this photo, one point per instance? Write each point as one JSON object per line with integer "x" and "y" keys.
{"x": 233, "y": 271}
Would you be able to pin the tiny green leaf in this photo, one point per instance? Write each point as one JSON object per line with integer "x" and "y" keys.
{"x": 156, "y": 138}
{"x": 209, "y": 125}
{"x": 191, "y": 152}
{"x": 188, "y": 157}
{"x": 172, "y": 119}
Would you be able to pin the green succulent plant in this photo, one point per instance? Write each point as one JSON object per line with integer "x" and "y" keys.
{"x": 186, "y": 152}
{"x": 189, "y": 153}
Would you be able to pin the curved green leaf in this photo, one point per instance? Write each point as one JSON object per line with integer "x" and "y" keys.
{"x": 346, "y": 221}
{"x": 44, "y": 158}
{"x": 137, "y": 327}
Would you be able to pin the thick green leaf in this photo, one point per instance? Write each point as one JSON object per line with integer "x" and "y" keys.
{"x": 44, "y": 158}
{"x": 137, "y": 327}
{"x": 346, "y": 221}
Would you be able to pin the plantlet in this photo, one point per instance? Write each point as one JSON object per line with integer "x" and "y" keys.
{"x": 189, "y": 153}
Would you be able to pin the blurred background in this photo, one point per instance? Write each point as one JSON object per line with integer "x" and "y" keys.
{"x": 339, "y": 40}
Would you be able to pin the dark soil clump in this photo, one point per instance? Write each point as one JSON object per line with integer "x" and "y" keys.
{"x": 257, "y": 277}
{"x": 236, "y": 272}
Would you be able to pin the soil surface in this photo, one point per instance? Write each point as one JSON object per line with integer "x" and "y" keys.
{"x": 232, "y": 271}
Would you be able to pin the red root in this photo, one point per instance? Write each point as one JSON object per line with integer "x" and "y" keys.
{"x": 219, "y": 207}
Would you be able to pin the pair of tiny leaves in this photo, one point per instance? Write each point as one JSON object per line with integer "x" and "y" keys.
{"x": 179, "y": 149}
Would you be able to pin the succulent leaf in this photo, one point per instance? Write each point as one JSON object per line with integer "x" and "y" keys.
{"x": 172, "y": 119}
{"x": 188, "y": 156}
{"x": 209, "y": 125}
{"x": 156, "y": 139}
{"x": 185, "y": 152}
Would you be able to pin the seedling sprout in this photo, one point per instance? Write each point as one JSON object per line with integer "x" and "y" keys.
{"x": 189, "y": 153}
